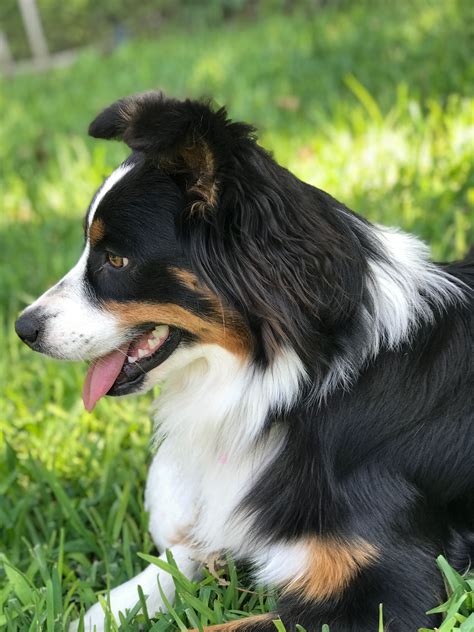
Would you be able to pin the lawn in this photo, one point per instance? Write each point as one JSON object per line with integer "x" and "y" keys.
{"x": 371, "y": 101}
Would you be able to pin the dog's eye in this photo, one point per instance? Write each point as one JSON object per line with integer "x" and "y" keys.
{"x": 116, "y": 261}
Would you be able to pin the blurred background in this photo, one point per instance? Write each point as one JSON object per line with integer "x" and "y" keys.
{"x": 370, "y": 100}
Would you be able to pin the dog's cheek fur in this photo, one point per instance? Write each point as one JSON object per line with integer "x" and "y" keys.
{"x": 224, "y": 330}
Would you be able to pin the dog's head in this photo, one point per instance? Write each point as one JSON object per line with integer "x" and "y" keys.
{"x": 199, "y": 238}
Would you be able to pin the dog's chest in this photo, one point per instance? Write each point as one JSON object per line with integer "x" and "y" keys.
{"x": 194, "y": 495}
{"x": 211, "y": 418}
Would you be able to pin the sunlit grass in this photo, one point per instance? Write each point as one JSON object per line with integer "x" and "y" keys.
{"x": 359, "y": 102}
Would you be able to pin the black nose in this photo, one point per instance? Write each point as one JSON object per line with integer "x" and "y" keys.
{"x": 28, "y": 327}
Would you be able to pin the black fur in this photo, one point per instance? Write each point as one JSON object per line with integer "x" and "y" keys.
{"x": 272, "y": 234}
{"x": 390, "y": 459}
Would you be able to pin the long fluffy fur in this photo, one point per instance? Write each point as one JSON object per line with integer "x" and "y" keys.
{"x": 339, "y": 446}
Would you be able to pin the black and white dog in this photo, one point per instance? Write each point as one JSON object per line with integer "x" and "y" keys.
{"x": 316, "y": 413}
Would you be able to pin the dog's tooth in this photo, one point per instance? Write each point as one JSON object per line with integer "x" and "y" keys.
{"x": 161, "y": 331}
{"x": 152, "y": 343}
{"x": 131, "y": 358}
{"x": 141, "y": 353}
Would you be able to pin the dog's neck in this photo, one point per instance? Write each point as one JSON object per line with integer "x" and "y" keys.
{"x": 404, "y": 290}
{"x": 222, "y": 403}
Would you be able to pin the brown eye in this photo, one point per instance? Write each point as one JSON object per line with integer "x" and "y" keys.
{"x": 116, "y": 261}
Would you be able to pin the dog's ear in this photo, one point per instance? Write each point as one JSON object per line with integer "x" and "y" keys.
{"x": 184, "y": 138}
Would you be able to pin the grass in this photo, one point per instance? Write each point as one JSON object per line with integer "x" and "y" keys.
{"x": 370, "y": 101}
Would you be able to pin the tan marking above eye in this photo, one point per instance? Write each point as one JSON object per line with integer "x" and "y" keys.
{"x": 96, "y": 231}
{"x": 187, "y": 278}
{"x": 331, "y": 565}
{"x": 226, "y": 329}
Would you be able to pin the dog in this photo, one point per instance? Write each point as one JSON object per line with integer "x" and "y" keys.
{"x": 316, "y": 409}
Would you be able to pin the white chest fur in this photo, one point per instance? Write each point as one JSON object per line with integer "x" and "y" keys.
{"x": 208, "y": 418}
{"x": 194, "y": 500}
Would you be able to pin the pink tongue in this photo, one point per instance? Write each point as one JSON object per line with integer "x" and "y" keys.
{"x": 101, "y": 375}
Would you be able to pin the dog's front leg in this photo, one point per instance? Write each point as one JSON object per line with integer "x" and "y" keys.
{"x": 125, "y": 596}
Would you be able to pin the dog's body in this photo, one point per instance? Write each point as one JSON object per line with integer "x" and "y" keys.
{"x": 316, "y": 409}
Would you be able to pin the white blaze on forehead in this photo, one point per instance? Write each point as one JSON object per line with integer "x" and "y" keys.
{"x": 107, "y": 186}
{"x": 75, "y": 328}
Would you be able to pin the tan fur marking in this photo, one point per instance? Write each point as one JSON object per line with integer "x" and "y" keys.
{"x": 96, "y": 231}
{"x": 237, "y": 626}
{"x": 331, "y": 566}
{"x": 227, "y": 332}
{"x": 188, "y": 279}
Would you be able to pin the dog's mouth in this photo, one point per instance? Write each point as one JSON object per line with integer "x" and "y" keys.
{"x": 122, "y": 371}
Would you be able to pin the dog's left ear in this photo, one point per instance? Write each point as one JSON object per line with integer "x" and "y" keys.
{"x": 184, "y": 138}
